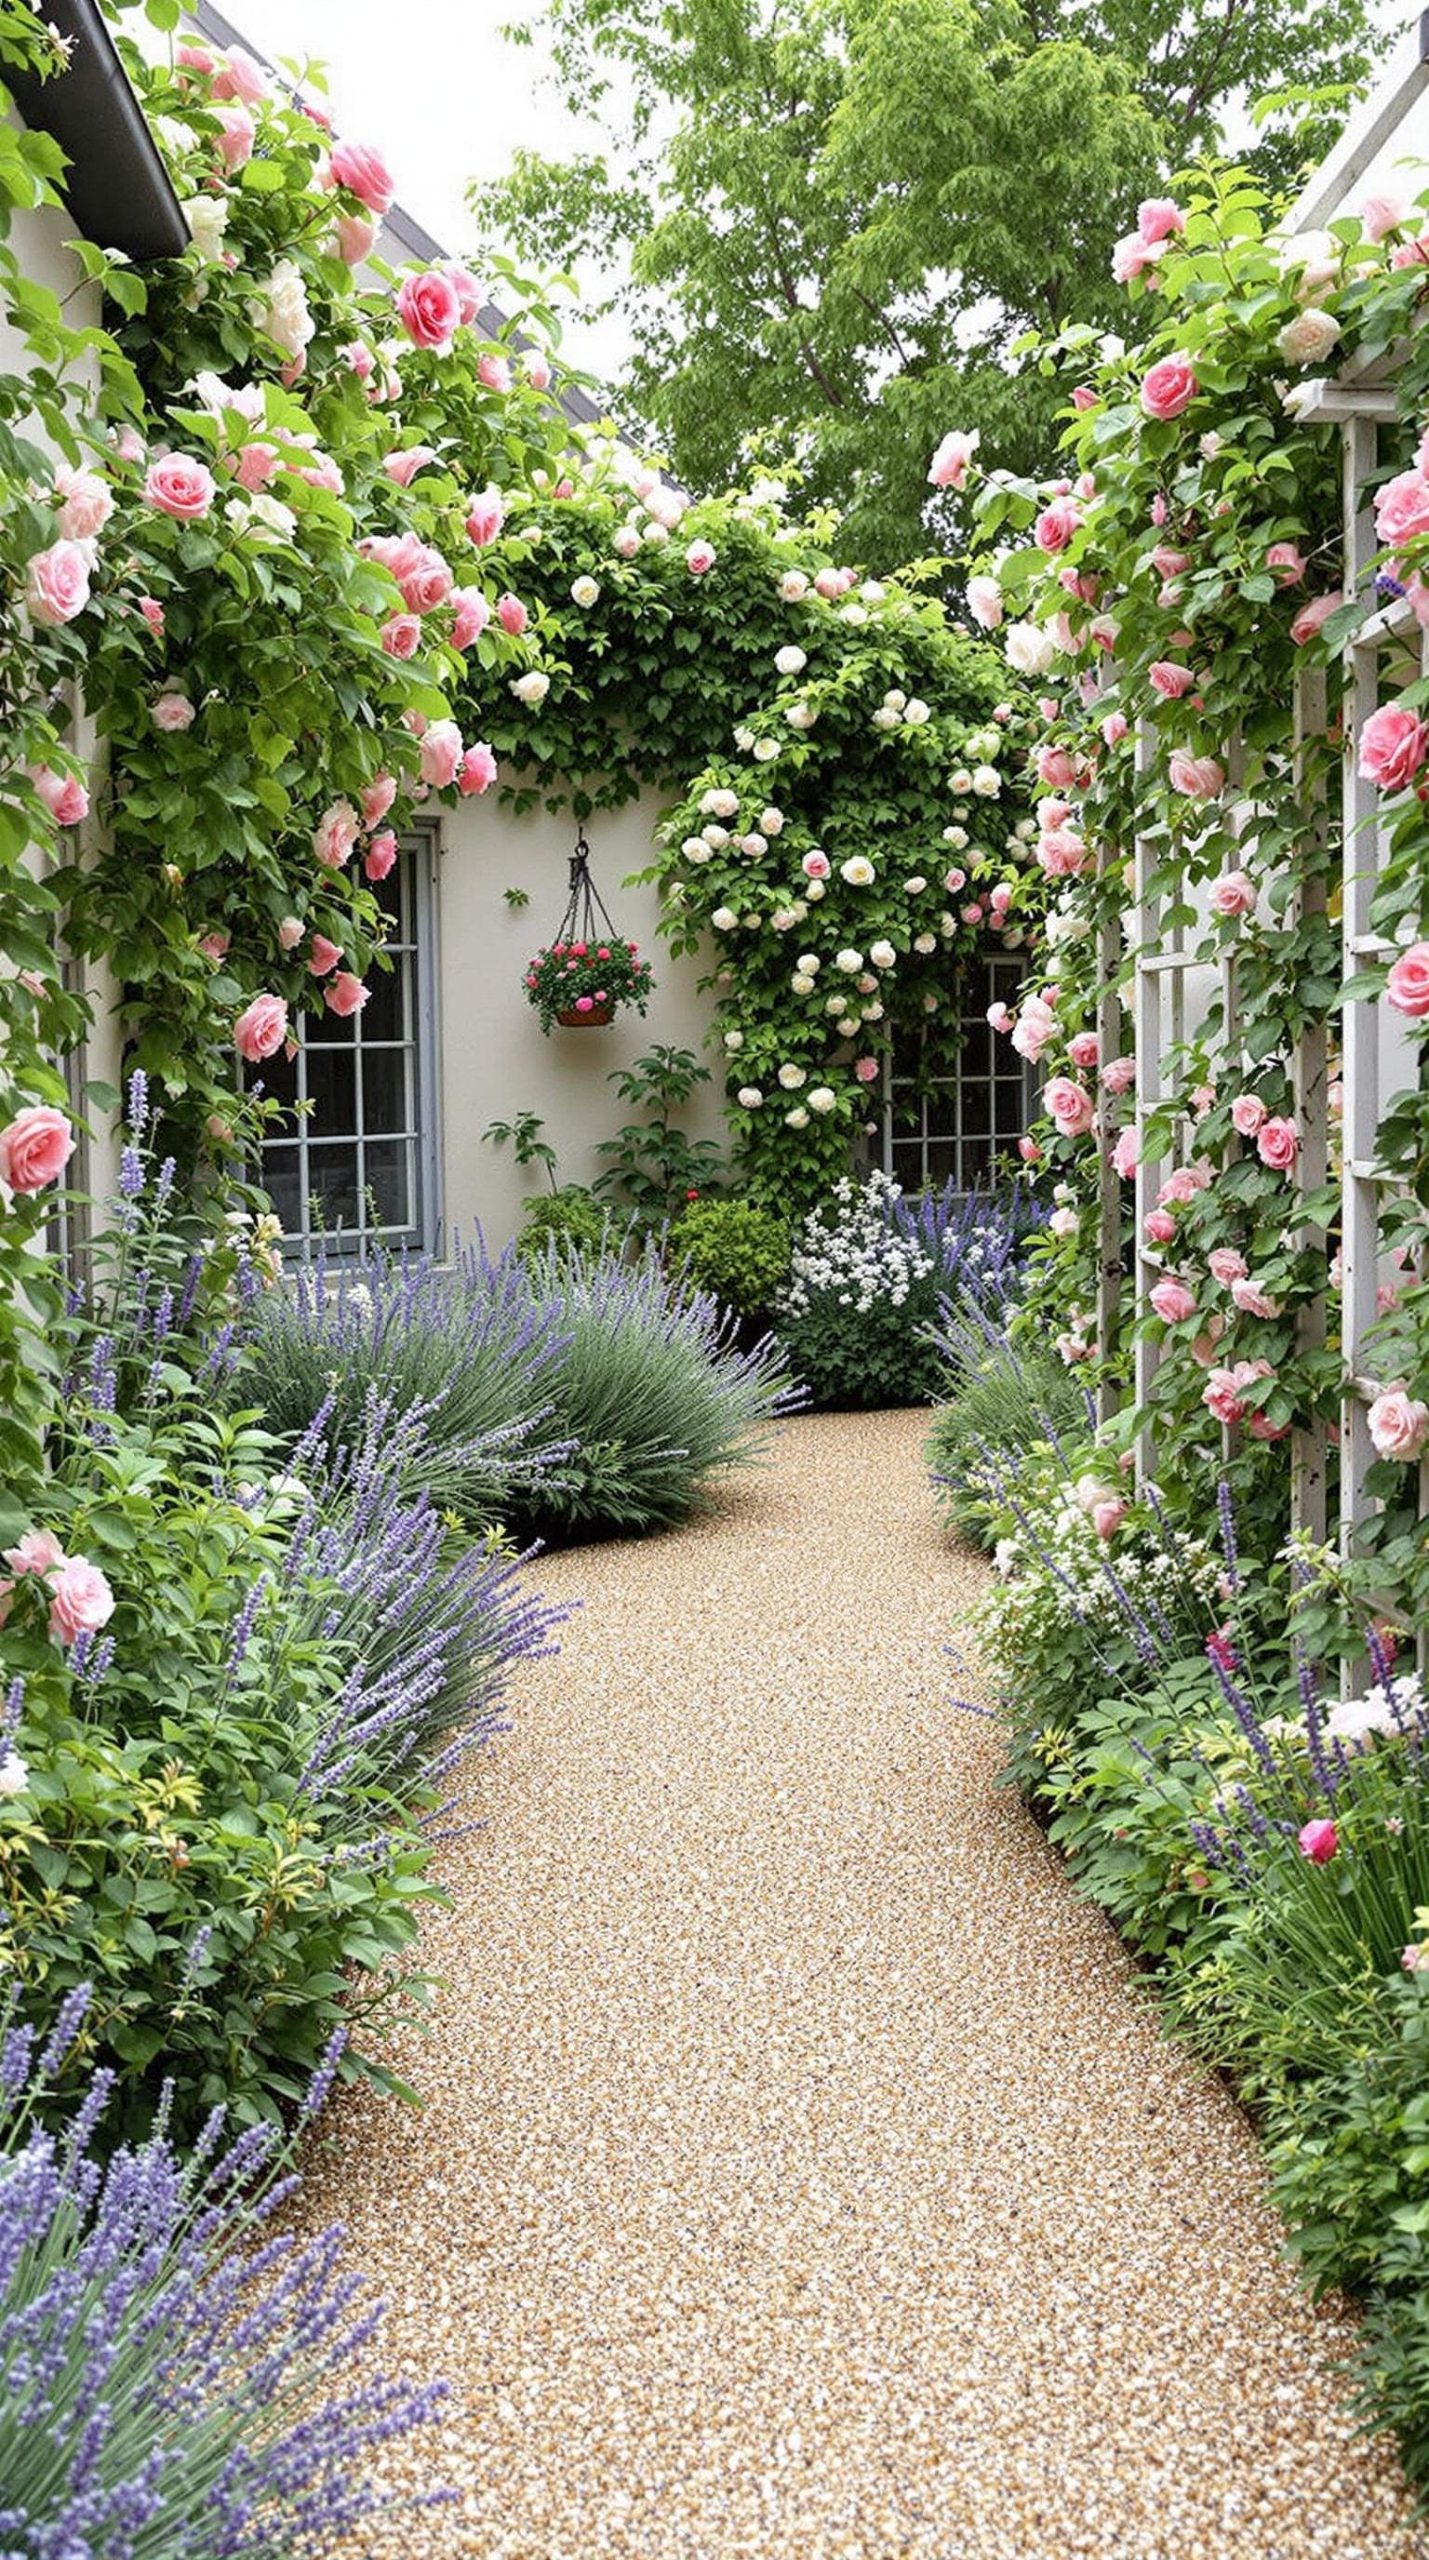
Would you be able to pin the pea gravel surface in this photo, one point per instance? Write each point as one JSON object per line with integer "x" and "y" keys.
{"x": 800, "y": 2176}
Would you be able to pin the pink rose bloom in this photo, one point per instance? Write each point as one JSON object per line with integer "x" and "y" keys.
{"x": 699, "y": 558}
{"x": 1126, "y": 1154}
{"x": 236, "y": 132}
{"x": 1118, "y": 1075}
{"x": 63, "y": 794}
{"x": 826, "y": 584}
{"x": 1401, "y": 509}
{"x": 290, "y": 933}
{"x": 401, "y": 635}
{"x": 511, "y": 614}
{"x": 1169, "y": 563}
{"x": 866, "y": 1070}
{"x": 1131, "y": 257}
{"x": 335, "y": 834}
{"x": 1252, "y": 1300}
{"x": 1035, "y": 1026}
{"x": 1169, "y": 387}
{"x": 1182, "y": 1185}
{"x": 1393, "y": 744}
{"x": 153, "y": 613}
{"x": 1062, "y": 853}
{"x": 324, "y": 955}
{"x": 364, "y": 173}
{"x": 972, "y": 912}
{"x": 380, "y": 855}
{"x": 625, "y": 541}
{"x": 35, "y": 1148}
{"x": 471, "y": 614}
{"x": 1288, "y": 562}
{"x": 404, "y": 465}
{"x": 425, "y": 579}
{"x": 57, "y": 584}
{"x": 1158, "y": 217}
{"x": 172, "y": 711}
{"x": 1411, "y": 253}
{"x": 984, "y": 598}
{"x": 1169, "y": 680}
{"x": 346, "y": 994}
{"x": 999, "y": 1017}
{"x": 951, "y": 463}
{"x": 1070, "y": 1105}
{"x": 80, "y": 1600}
{"x": 1226, "y": 1265}
{"x": 355, "y": 235}
{"x": 1383, "y": 214}
{"x": 193, "y": 57}
{"x": 1172, "y": 1300}
{"x": 84, "y": 502}
{"x": 1312, "y": 617}
{"x": 485, "y": 516}
{"x": 237, "y": 75}
{"x": 1248, "y": 1115}
{"x": 1195, "y": 777}
{"x": 180, "y": 487}
{"x": 1317, "y": 1841}
{"x": 1084, "y": 1049}
{"x": 1232, "y": 895}
{"x": 1114, "y": 728}
{"x": 39, "y": 1551}
{"x": 1056, "y": 525}
{"x": 261, "y": 1029}
{"x": 214, "y": 946}
{"x": 1277, "y": 1144}
{"x": 377, "y": 797}
{"x": 1407, "y": 986}
{"x": 1108, "y": 1515}
{"x": 253, "y": 466}
{"x": 1398, "y": 1424}
{"x": 1000, "y": 898}
{"x": 429, "y": 310}
{"x": 538, "y": 373}
{"x": 465, "y": 287}
{"x": 441, "y": 754}
{"x": 1029, "y": 1150}
{"x": 494, "y": 372}
{"x": 1056, "y": 767}
{"x": 477, "y": 770}
{"x": 1158, "y": 1226}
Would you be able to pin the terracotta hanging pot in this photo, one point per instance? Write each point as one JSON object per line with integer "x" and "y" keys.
{"x": 592, "y": 1020}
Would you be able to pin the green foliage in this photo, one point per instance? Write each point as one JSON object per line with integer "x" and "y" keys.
{"x": 576, "y": 978}
{"x": 1006, "y": 1393}
{"x": 736, "y": 1251}
{"x": 570, "y": 1217}
{"x": 654, "y": 1166}
{"x": 524, "y": 1137}
{"x": 882, "y": 1355}
{"x": 866, "y": 202}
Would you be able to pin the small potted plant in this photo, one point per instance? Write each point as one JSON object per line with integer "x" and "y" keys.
{"x": 579, "y": 984}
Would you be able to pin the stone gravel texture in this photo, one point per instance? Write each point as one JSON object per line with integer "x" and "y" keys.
{"x": 801, "y": 2175}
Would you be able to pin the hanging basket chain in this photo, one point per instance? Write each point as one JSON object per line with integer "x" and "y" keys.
{"x": 584, "y": 903}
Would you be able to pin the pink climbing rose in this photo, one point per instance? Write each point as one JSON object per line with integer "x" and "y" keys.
{"x": 1393, "y": 744}
{"x": 35, "y": 1147}
{"x": 1168, "y": 387}
{"x": 261, "y": 1028}
{"x": 1407, "y": 987}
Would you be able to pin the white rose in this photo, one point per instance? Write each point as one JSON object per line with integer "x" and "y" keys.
{"x": 791, "y": 661}
{"x": 925, "y": 942}
{"x": 895, "y": 697}
{"x": 764, "y": 750}
{"x": 724, "y": 803}
{"x": 656, "y": 533}
{"x": 835, "y": 1004}
{"x": 850, "y": 962}
{"x": 882, "y": 954}
{"x": 947, "y": 923}
{"x": 886, "y": 717}
{"x": 626, "y": 541}
{"x": 791, "y": 1078}
{"x": 532, "y": 688}
{"x": 917, "y": 714}
{"x": 1030, "y": 650}
{"x": 858, "y": 871}
{"x": 207, "y": 218}
{"x": 772, "y": 821}
{"x": 695, "y": 849}
{"x": 14, "y": 1776}
{"x": 802, "y": 983}
{"x": 848, "y": 1029}
{"x": 783, "y": 920}
{"x": 915, "y": 886}
{"x": 810, "y": 963}
{"x": 754, "y": 844}
{"x": 749, "y": 1097}
{"x": 281, "y": 310}
{"x": 960, "y": 783}
{"x": 955, "y": 836}
{"x": 872, "y": 592}
{"x": 734, "y": 1039}
{"x": 585, "y": 591}
{"x": 800, "y": 715}
{"x": 873, "y": 1012}
{"x": 854, "y": 613}
{"x": 744, "y": 738}
{"x": 814, "y": 892}
{"x": 716, "y": 838}
{"x": 822, "y": 1098}
{"x": 724, "y": 919}
{"x": 793, "y": 586}
{"x": 1309, "y": 337}
{"x": 798, "y": 1118}
{"x": 987, "y": 781}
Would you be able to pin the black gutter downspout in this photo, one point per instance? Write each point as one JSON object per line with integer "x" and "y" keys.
{"x": 116, "y": 185}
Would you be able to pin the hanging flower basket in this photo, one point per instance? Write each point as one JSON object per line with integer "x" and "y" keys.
{"x": 581, "y": 978}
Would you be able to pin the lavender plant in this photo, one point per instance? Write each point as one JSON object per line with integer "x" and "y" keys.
{"x": 870, "y": 1273}
{"x": 179, "y": 2378}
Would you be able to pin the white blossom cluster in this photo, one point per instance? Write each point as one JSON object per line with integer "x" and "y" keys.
{"x": 1033, "y": 1601}
{"x": 853, "y": 1254}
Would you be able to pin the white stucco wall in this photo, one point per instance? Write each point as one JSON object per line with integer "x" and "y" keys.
{"x": 495, "y": 1061}
{"x": 38, "y": 239}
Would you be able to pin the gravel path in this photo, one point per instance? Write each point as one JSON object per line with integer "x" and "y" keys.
{"x": 799, "y": 2176}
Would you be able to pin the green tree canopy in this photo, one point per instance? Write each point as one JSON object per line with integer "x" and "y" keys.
{"x": 832, "y": 218}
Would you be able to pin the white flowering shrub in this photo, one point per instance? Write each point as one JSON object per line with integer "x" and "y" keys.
{"x": 869, "y": 1279}
{"x": 853, "y": 1253}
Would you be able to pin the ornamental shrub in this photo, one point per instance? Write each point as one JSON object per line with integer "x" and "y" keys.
{"x": 869, "y": 1275}
{"x": 571, "y": 1215}
{"x": 1007, "y": 1393}
{"x": 737, "y": 1252}
{"x": 180, "y": 2379}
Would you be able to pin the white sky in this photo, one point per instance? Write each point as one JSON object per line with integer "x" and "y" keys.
{"x": 444, "y": 97}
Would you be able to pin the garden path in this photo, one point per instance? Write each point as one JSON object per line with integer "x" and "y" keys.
{"x": 799, "y": 2174}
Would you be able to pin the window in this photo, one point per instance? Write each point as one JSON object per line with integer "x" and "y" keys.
{"x": 354, "y": 1159}
{"x": 954, "y": 1124}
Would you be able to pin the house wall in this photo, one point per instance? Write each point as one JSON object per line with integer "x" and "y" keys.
{"x": 38, "y": 239}
{"x": 495, "y": 1061}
